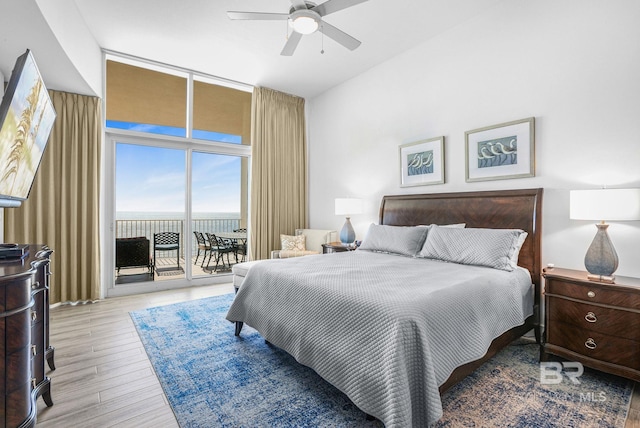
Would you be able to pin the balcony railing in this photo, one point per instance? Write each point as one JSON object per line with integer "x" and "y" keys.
{"x": 134, "y": 228}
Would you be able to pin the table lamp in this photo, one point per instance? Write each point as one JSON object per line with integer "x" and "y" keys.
{"x": 347, "y": 207}
{"x": 601, "y": 260}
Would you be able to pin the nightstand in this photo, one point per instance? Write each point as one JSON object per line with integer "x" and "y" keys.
{"x": 594, "y": 323}
{"x": 336, "y": 247}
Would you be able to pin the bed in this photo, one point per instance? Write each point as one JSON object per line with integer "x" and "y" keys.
{"x": 391, "y": 330}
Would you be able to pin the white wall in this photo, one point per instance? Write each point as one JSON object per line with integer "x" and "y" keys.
{"x": 75, "y": 38}
{"x": 573, "y": 64}
{"x": 23, "y": 26}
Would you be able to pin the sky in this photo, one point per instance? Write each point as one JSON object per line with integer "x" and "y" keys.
{"x": 152, "y": 179}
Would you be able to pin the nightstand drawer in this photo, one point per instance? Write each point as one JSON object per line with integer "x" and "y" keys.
{"x": 616, "y": 322}
{"x": 594, "y": 293}
{"x": 598, "y": 346}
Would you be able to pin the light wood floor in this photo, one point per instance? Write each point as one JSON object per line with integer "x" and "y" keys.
{"x": 633, "y": 418}
{"x": 103, "y": 377}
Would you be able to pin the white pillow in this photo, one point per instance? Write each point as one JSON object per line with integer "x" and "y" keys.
{"x": 495, "y": 248}
{"x": 402, "y": 240}
{"x": 456, "y": 225}
{"x": 293, "y": 242}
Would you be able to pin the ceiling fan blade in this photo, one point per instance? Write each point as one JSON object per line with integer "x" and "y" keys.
{"x": 292, "y": 44}
{"x": 339, "y": 36}
{"x": 258, "y": 15}
{"x": 334, "y": 5}
{"x": 298, "y": 4}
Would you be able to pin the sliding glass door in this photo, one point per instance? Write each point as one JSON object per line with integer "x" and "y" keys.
{"x": 149, "y": 213}
{"x": 217, "y": 214}
{"x": 172, "y": 202}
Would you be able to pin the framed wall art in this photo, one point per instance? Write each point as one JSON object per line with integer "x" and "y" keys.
{"x": 501, "y": 151}
{"x": 422, "y": 162}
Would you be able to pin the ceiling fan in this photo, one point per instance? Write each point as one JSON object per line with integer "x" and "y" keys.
{"x": 306, "y": 18}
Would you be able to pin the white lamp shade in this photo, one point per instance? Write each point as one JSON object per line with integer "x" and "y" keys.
{"x": 605, "y": 204}
{"x": 348, "y": 206}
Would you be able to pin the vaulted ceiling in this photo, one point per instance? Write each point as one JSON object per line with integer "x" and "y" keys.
{"x": 198, "y": 35}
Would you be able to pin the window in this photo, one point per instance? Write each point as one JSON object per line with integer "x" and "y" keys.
{"x": 146, "y": 100}
{"x": 178, "y": 160}
{"x": 152, "y": 101}
{"x": 220, "y": 113}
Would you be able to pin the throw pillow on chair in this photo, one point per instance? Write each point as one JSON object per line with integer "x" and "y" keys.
{"x": 293, "y": 242}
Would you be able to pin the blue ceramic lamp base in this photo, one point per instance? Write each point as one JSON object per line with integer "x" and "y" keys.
{"x": 601, "y": 259}
{"x": 347, "y": 234}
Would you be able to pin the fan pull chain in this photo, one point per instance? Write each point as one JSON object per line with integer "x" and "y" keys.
{"x": 322, "y": 40}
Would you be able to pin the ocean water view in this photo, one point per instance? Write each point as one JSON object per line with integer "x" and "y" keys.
{"x": 173, "y": 215}
{"x": 130, "y": 224}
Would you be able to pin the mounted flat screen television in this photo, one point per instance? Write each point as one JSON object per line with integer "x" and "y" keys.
{"x": 26, "y": 119}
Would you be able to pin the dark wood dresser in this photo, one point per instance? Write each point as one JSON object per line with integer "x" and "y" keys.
{"x": 594, "y": 323}
{"x": 24, "y": 337}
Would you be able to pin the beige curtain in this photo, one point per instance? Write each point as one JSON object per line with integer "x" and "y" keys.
{"x": 62, "y": 210}
{"x": 278, "y": 169}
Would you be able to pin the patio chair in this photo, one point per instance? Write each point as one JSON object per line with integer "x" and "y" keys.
{"x": 166, "y": 241}
{"x": 241, "y": 246}
{"x": 203, "y": 246}
{"x": 220, "y": 247}
{"x": 133, "y": 252}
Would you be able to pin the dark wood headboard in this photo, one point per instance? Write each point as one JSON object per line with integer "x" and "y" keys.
{"x": 500, "y": 209}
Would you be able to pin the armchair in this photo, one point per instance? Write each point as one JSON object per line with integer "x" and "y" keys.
{"x": 314, "y": 239}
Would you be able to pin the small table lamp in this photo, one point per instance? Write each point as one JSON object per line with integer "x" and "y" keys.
{"x": 601, "y": 259}
{"x": 347, "y": 207}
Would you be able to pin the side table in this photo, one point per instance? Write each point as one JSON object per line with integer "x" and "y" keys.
{"x": 594, "y": 323}
{"x": 336, "y": 247}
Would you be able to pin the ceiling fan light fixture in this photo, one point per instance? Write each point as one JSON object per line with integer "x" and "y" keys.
{"x": 305, "y": 21}
{"x": 306, "y": 17}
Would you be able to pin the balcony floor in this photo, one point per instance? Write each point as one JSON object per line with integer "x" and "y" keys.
{"x": 166, "y": 268}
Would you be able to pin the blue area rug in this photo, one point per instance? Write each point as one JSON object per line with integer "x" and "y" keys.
{"x": 507, "y": 392}
{"x": 214, "y": 379}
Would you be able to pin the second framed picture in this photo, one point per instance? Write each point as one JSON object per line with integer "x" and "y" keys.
{"x": 501, "y": 151}
{"x": 422, "y": 162}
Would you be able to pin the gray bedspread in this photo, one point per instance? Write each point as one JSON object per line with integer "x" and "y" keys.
{"x": 386, "y": 330}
